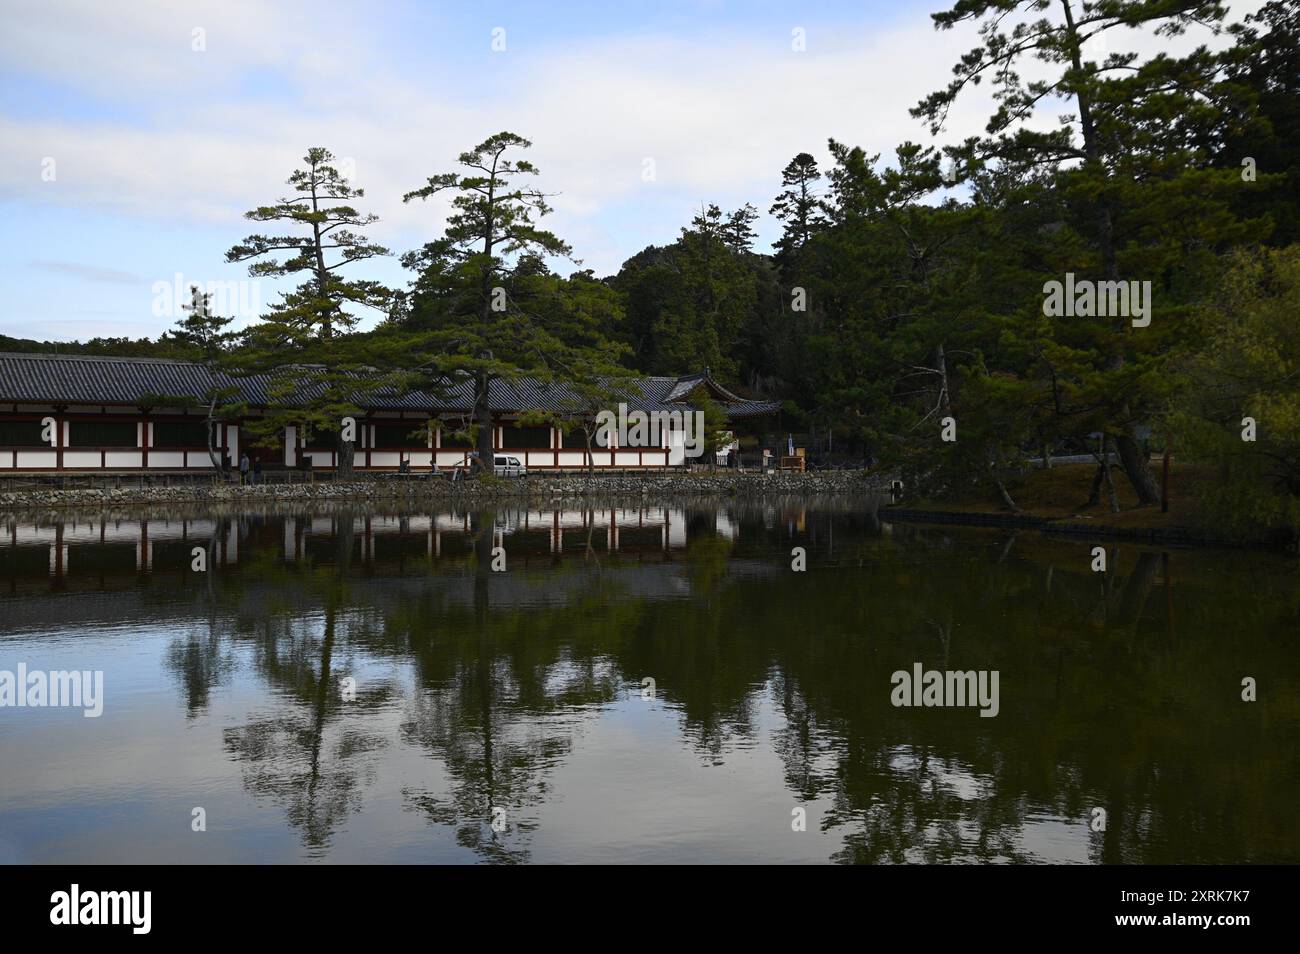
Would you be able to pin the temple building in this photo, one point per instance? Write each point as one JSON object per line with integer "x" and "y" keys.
{"x": 90, "y": 414}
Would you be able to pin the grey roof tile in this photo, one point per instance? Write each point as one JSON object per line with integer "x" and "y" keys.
{"x": 89, "y": 379}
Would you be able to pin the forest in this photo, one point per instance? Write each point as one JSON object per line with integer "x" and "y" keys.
{"x": 902, "y": 314}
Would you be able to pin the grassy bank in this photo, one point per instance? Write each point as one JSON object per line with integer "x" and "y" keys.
{"x": 1059, "y": 498}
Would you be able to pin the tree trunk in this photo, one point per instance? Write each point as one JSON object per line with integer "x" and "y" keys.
{"x": 1135, "y": 464}
{"x": 322, "y": 273}
{"x": 346, "y": 452}
{"x": 1001, "y": 487}
{"x": 1094, "y": 495}
{"x": 483, "y": 417}
{"x": 941, "y": 365}
{"x": 483, "y": 381}
{"x": 212, "y": 435}
{"x": 1106, "y": 476}
{"x": 1137, "y": 470}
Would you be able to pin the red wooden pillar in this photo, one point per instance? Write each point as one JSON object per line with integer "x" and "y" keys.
{"x": 58, "y": 436}
{"x": 144, "y": 438}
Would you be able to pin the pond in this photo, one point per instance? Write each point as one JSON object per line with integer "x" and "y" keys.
{"x": 685, "y": 683}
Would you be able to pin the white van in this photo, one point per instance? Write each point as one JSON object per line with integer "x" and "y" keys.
{"x": 507, "y": 466}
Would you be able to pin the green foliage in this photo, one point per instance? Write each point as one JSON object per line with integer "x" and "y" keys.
{"x": 715, "y": 422}
{"x": 202, "y": 335}
{"x": 316, "y": 309}
{"x": 1262, "y": 88}
{"x": 797, "y": 206}
{"x": 485, "y": 307}
{"x": 694, "y": 299}
{"x": 1249, "y": 367}
{"x": 116, "y": 347}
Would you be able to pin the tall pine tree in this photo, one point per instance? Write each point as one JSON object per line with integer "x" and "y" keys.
{"x": 320, "y": 375}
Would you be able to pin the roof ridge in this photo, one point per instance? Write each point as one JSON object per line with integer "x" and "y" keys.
{"x": 156, "y": 359}
{"x": 145, "y": 359}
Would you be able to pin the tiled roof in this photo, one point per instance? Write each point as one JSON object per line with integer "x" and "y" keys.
{"x": 65, "y": 379}
{"x": 741, "y": 409}
{"x": 87, "y": 379}
{"x": 683, "y": 386}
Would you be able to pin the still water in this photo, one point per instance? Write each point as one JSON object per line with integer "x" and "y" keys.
{"x": 639, "y": 684}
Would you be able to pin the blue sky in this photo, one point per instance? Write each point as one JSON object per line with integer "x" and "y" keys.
{"x": 158, "y": 147}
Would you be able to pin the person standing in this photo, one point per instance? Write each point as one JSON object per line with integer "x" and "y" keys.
{"x": 243, "y": 468}
{"x": 257, "y": 471}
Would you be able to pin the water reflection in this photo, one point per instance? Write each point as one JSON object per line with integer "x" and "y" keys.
{"x": 503, "y": 716}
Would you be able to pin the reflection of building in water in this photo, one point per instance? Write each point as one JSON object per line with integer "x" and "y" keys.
{"x": 111, "y": 545}
{"x": 100, "y": 548}
{"x": 269, "y": 566}
{"x": 522, "y": 532}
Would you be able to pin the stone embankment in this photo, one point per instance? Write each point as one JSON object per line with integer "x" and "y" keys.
{"x": 658, "y": 486}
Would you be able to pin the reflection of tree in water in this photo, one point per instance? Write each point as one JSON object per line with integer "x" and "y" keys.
{"x": 807, "y": 748}
{"x": 1100, "y": 698}
{"x": 200, "y": 658}
{"x": 502, "y": 695}
{"x": 909, "y": 806}
{"x": 903, "y": 785}
{"x": 707, "y": 653}
{"x": 1101, "y": 707}
{"x": 315, "y": 758}
{"x": 494, "y": 762}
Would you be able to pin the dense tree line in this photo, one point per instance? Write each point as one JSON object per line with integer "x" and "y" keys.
{"x": 921, "y": 280}
{"x": 908, "y": 293}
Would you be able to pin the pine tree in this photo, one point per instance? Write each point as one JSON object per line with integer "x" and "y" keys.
{"x": 798, "y": 206}
{"x": 713, "y": 293}
{"x": 320, "y": 374}
{"x": 1123, "y": 131}
{"x": 485, "y": 307}
{"x": 738, "y": 232}
{"x": 204, "y": 337}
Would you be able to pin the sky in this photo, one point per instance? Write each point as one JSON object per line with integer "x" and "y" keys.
{"x": 136, "y": 133}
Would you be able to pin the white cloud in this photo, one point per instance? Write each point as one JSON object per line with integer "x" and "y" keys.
{"x": 89, "y": 273}
{"x": 720, "y": 114}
